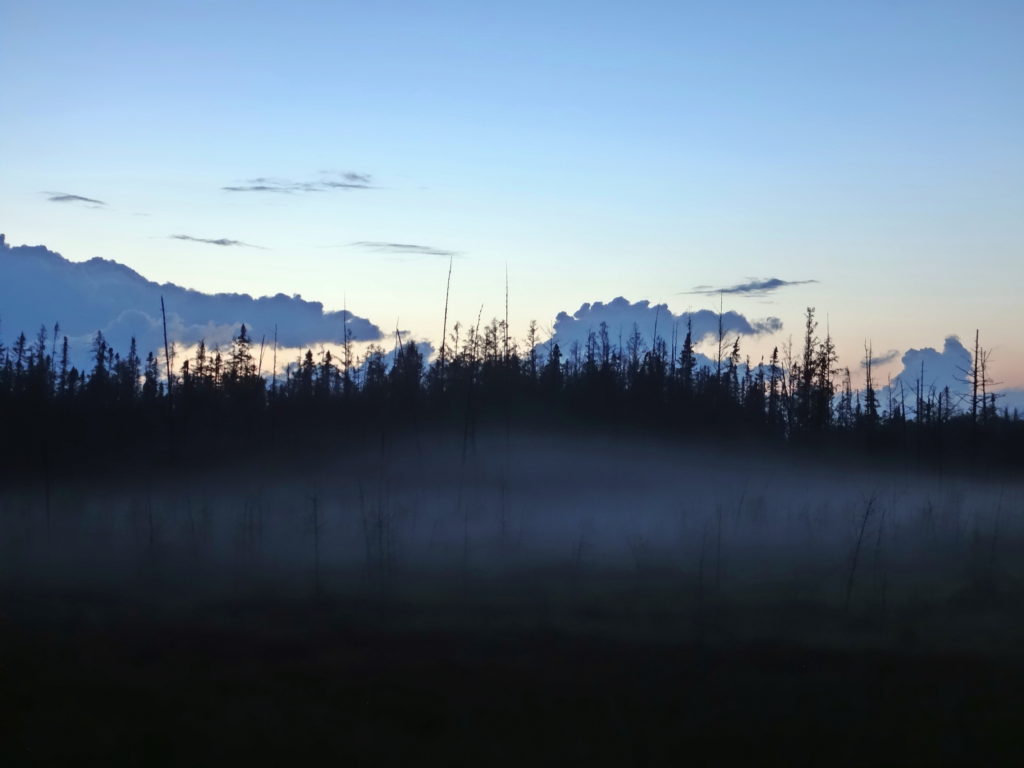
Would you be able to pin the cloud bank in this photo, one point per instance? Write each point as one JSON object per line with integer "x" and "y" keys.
{"x": 949, "y": 368}
{"x": 936, "y": 370}
{"x": 38, "y": 286}
{"x": 621, "y": 316}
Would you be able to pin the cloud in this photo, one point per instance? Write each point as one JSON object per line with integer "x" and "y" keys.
{"x": 621, "y": 316}
{"x": 753, "y": 287}
{"x": 360, "y": 178}
{"x": 403, "y": 248}
{"x": 38, "y": 286}
{"x": 341, "y": 180}
{"x": 1012, "y": 400}
{"x": 219, "y": 241}
{"x": 63, "y": 197}
{"x": 256, "y": 188}
{"x": 882, "y": 359}
{"x": 341, "y": 185}
{"x": 935, "y": 371}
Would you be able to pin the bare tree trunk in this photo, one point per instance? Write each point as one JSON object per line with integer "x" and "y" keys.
{"x": 444, "y": 324}
{"x": 974, "y": 381}
{"x": 167, "y": 349}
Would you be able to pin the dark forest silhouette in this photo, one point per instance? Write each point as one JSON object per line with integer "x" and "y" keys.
{"x": 126, "y": 405}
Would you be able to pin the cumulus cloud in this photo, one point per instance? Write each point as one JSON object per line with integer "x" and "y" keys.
{"x": 334, "y": 180}
{"x": 951, "y": 367}
{"x": 753, "y": 287}
{"x": 404, "y": 248}
{"x": 935, "y": 370}
{"x": 63, "y": 197}
{"x": 38, "y": 286}
{"x": 223, "y": 241}
{"x": 621, "y": 316}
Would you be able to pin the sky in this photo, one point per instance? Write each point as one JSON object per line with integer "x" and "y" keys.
{"x": 864, "y": 157}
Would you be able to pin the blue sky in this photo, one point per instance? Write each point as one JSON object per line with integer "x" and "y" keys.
{"x": 596, "y": 149}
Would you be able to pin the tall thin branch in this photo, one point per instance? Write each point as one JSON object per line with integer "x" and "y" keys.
{"x": 444, "y": 325}
{"x": 167, "y": 349}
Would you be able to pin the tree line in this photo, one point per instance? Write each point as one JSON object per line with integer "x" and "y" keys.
{"x": 221, "y": 398}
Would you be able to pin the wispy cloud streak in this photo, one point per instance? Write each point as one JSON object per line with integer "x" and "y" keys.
{"x": 341, "y": 180}
{"x": 63, "y": 197}
{"x": 882, "y": 359}
{"x": 222, "y": 241}
{"x": 403, "y": 248}
{"x": 753, "y": 287}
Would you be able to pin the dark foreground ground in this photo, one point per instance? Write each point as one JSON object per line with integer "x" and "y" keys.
{"x": 89, "y": 681}
{"x": 528, "y": 602}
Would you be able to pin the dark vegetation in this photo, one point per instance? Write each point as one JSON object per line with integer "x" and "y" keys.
{"x": 222, "y": 403}
{"x": 609, "y": 555}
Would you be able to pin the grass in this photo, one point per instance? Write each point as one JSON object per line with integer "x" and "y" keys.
{"x": 279, "y": 682}
{"x": 604, "y": 604}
